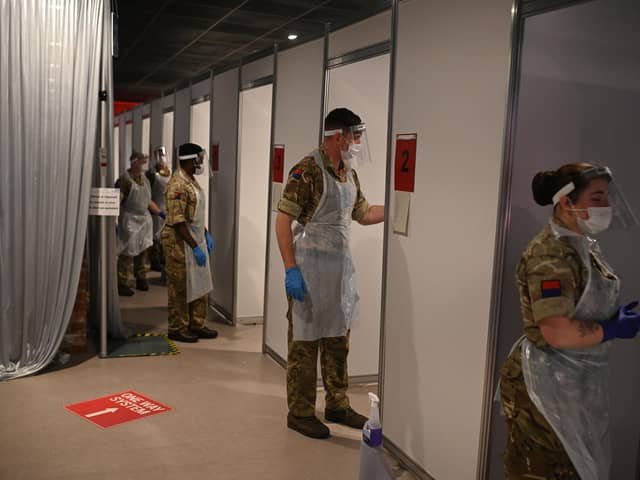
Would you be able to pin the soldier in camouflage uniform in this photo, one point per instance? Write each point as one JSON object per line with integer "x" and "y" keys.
{"x": 133, "y": 230}
{"x": 300, "y": 201}
{"x": 186, "y": 320}
{"x": 551, "y": 278}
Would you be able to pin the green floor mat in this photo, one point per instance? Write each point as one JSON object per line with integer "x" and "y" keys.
{"x": 142, "y": 344}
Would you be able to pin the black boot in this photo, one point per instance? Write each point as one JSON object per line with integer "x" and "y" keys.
{"x": 348, "y": 417}
{"x": 142, "y": 284}
{"x": 125, "y": 291}
{"x": 183, "y": 337}
{"x": 309, "y": 426}
{"x": 203, "y": 332}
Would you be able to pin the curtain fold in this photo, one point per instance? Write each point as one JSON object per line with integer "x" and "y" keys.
{"x": 50, "y": 61}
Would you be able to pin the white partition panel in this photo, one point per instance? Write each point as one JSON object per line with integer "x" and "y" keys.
{"x": 127, "y": 143}
{"x": 200, "y": 118}
{"x": 224, "y": 133}
{"x": 373, "y": 30}
{"x": 146, "y": 135}
{"x": 258, "y": 69}
{"x": 297, "y": 127}
{"x": 167, "y": 135}
{"x": 364, "y": 88}
{"x": 137, "y": 129}
{"x": 451, "y": 89}
{"x": 182, "y": 117}
{"x": 155, "y": 135}
{"x": 201, "y": 89}
{"x": 254, "y": 146}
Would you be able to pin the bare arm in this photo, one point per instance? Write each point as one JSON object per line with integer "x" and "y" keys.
{"x": 563, "y": 332}
{"x": 285, "y": 239}
{"x": 374, "y": 215}
{"x": 184, "y": 233}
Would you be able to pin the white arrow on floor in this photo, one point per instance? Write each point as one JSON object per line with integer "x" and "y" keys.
{"x": 102, "y": 412}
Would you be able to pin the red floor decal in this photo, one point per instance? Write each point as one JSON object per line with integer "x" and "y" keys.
{"x": 118, "y": 408}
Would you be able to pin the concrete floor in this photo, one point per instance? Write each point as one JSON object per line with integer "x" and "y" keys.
{"x": 228, "y": 419}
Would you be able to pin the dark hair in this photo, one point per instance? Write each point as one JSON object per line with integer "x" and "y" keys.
{"x": 546, "y": 184}
{"x": 341, "y": 118}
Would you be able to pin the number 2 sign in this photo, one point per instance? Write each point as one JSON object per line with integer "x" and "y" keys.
{"x": 405, "y": 166}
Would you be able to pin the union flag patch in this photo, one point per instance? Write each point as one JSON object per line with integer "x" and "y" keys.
{"x": 297, "y": 173}
{"x": 551, "y": 288}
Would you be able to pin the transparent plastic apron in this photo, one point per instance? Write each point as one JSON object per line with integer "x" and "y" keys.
{"x": 570, "y": 387}
{"x": 324, "y": 258}
{"x": 158, "y": 190}
{"x": 199, "y": 281}
{"x": 135, "y": 227}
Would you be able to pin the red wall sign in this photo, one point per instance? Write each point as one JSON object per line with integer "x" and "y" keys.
{"x": 118, "y": 408}
{"x": 278, "y": 163}
{"x": 215, "y": 157}
{"x": 405, "y": 168}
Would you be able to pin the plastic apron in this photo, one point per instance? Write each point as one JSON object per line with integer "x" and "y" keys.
{"x": 135, "y": 227}
{"x": 570, "y": 387}
{"x": 158, "y": 189}
{"x": 324, "y": 258}
{"x": 199, "y": 281}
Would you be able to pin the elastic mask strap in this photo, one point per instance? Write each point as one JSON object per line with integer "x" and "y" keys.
{"x": 566, "y": 190}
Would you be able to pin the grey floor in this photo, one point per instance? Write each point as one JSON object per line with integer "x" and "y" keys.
{"x": 228, "y": 419}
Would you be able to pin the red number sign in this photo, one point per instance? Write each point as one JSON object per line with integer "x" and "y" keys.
{"x": 215, "y": 157}
{"x": 117, "y": 408}
{"x": 278, "y": 163}
{"x": 405, "y": 168}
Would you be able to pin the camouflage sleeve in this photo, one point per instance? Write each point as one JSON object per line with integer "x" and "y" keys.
{"x": 361, "y": 206}
{"x": 554, "y": 285}
{"x": 176, "y": 199}
{"x": 298, "y": 192}
{"x": 125, "y": 188}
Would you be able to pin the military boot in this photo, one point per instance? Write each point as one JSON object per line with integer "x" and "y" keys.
{"x": 203, "y": 332}
{"x": 125, "y": 291}
{"x": 180, "y": 336}
{"x": 142, "y": 284}
{"x": 348, "y": 417}
{"x": 309, "y": 426}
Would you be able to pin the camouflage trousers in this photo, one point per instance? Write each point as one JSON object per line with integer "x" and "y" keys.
{"x": 533, "y": 451}
{"x": 302, "y": 368}
{"x": 182, "y": 315}
{"x": 129, "y": 267}
{"x": 156, "y": 257}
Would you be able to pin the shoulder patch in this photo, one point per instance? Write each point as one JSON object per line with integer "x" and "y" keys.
{"x": 551, "y": 288}
{"x": 177, "y": 195}
{"x": 297, "y": 173}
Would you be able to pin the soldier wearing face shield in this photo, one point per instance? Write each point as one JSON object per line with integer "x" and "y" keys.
{"x": 554, "y": 384}
{"x": 187, "y": 245}
{"x": 322, "y": 196}
{"x": 158, "y": 179}
{"x": 135, "y": 225}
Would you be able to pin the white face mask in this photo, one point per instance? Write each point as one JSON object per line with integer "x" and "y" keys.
{"x": 598, "y": 221}
{"x": 350, "y": 156}
{"x": 199, "y": 169}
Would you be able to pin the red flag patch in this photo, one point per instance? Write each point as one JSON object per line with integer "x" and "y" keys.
{"x": 297, "y": 173}
{"x": 551, "y": 288}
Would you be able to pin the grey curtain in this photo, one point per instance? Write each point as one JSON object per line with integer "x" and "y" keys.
{"x": 50, "y": 56}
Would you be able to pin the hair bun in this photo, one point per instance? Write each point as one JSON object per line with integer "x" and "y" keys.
{"x": 544, "y": 187}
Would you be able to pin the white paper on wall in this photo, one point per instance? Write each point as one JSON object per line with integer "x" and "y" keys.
{"x": 401, "y": 212}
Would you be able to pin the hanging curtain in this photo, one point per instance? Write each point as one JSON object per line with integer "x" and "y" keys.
{"x": 50, "y": 55}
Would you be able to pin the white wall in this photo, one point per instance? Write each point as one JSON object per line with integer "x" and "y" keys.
{"x": 452, "y": 85}
{"x": 359, "y": 35}
{"x": 167, "y": 134}
{"x": 364, "y": 88}
{"x": 137, "y": 129}
{"x": 200, "y": 119}
{"x": 146, "y": 135}
{"x": 297, "y": 126}
{"x": 253, "y": 170}
{"x": 127, "y": 145}
{"x": 155, "y": 134}
{"x": 224, "y": 131}
{"x": 182, "y": 117}
{"x": 258, "y": 69}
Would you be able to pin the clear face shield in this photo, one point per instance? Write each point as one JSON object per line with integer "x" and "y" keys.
{"x": 198, "y": 160}
{"x": 354, "y": 145}
{"x": 161, "y": 163}
{"x": 608, "y": 208}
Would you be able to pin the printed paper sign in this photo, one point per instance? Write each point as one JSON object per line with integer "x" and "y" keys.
{"x": 104, "y": 202}
{"x": 215, "y": 157}
{"x": 405, "y": 168}
{"x": 118, "y": 408}
{"x": 278, "y": 163}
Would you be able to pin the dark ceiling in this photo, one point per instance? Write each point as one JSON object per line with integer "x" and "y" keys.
{"x": 164, "y": 43}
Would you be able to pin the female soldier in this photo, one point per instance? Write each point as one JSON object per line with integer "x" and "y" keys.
{"x": 554, "y": 383}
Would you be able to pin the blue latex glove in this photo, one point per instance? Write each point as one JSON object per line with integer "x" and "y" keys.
{"x": 209, "y": 238}
{"x": 162, "y": 215}
{"x": 294, "y": 284}
{"x": 200, "y": 256}
{"x": 624, "y": 324}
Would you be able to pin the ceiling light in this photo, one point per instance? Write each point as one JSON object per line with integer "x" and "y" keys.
{"x": 292, "y": 36}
